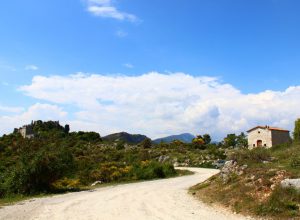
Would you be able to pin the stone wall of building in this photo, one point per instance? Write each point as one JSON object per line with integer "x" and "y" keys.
{"x": 27, "y": 131}
{"x": 262, "y": 134}
{"x": 280, "y": 137}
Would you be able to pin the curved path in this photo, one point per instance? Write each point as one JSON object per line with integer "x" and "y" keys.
{"x": 165, "y": 199}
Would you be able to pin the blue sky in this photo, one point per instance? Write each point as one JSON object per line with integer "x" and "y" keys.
{"x": 253, "y": 46}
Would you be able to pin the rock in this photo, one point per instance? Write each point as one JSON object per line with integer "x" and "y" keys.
{"x": 241, "y": 172}
{"x": 245, "y": 166}
{"x": 231, "y": 167}
{"x": 260, "y": 181}
{"x": 273, "y": 186}
{"x": 163, "y": 158}
{"x": 97, "y": 182}
{"x": 176, "y": 164}
{"x": 290, "y": 183}
{"x": 187, "y": 161}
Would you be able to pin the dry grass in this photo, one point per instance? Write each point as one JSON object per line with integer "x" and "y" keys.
{"x": 257, "y": 192}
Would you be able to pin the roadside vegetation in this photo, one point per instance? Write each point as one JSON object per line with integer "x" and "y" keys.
{"x": 253, "y": 185}
{"x": 57, "y": 161}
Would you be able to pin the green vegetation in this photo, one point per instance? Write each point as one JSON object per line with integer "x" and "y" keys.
{"x": 57, "y": 160}
{"x": 233, "y": 140}
{"x": 296, "y": 133}
{"x": 257, "y": 190}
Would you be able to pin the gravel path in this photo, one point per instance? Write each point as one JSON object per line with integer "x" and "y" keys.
{"x": 165, "y": 199}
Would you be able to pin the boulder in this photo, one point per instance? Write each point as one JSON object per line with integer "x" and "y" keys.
{"x": 231, "y": 167}
{"x": 291, "y": 183}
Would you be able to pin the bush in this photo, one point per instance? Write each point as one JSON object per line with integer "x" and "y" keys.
{"x": 147, "y": 143}
{"x": 110, "y": 172}
{"x": 295, "y": 162}
{"x": 87, "y": 136}
{"x": 283, "y": 201}
{"x": 120, "y": 146}
{"x": 152, "y": 170}
{"x": 256, "y": 155}
{"x": 66, "y": 184}
{"x": 36, "y": 171}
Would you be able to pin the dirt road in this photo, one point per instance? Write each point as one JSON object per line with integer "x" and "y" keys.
{"x": 165, "y": 199}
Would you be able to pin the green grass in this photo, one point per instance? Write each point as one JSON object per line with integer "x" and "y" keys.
{"x": 251, "y": 193}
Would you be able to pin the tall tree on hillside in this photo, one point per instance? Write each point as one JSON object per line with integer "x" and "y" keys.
{"x": 147, "y": 143}
{"x": 230, "y": 140}
{"x": 241, "y": 140}
{"x": 198, "y": 142}
{"x": 207, "y": 138}
{"x": 297, "y": 130}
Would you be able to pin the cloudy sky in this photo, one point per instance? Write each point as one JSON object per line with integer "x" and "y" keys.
{"x": 151, "y": 67}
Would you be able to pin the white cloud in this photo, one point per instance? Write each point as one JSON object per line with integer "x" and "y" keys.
{"x": 11, "y": 109}
{"x": 34, "y": 112}
{"x": 106, "y": 9}
{"x": 31, "y": 67}
{"x": 128, "y": 65}
{"x": 160, "y": 104}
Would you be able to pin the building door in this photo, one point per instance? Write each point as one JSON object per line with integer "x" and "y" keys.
{"x": 259, "y": 143}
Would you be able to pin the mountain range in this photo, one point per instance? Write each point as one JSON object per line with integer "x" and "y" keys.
{"x": 185, "y": 137}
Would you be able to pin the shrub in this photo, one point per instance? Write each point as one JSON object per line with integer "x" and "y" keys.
{"x": 295, "y": 162}
{"x": 147, "y": 143}
{"x": 283, "y": 201}
{"x": 66, "y": 184}
{"x": 256, "y": 155}
{"x": 120, "y": 146}
{"x": 109, "y": 172}
{"x": 36, "y": 171}
{"x": 152, "y": 170}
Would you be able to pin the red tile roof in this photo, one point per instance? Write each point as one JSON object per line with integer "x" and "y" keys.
{"x": 270, "y": 128}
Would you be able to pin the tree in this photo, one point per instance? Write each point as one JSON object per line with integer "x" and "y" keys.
{"x": 230, "y": 140}
{"x": 198, "y": 142}
{"x": 207, "y": 138}
{"x": 297, "y": 130}
{"x": 241, "y": 140}
{"x": 147, "y": 143}
{"x": 120, "y": 145}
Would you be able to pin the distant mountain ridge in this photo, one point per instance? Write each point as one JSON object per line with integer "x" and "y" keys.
{"x": 125, "y": 137}
{"x": 185, "y": 137}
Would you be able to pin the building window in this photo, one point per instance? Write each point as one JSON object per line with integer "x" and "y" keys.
{"x": 259, "y": 132}
{"x": 253, "y": 145}
{"x": 265, "y": 145}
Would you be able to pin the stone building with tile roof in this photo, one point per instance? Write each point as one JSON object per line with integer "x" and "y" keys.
{"x": 266, "y": 136}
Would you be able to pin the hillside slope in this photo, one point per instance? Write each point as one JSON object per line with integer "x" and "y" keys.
{"x": 251, "y": 183}
{"x": 125, "y": 137}
{"x": 185, "y": 138}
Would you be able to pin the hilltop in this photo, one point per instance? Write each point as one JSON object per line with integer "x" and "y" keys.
{"x": 125, "y": 137}
{"x": 185, "y": 138}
